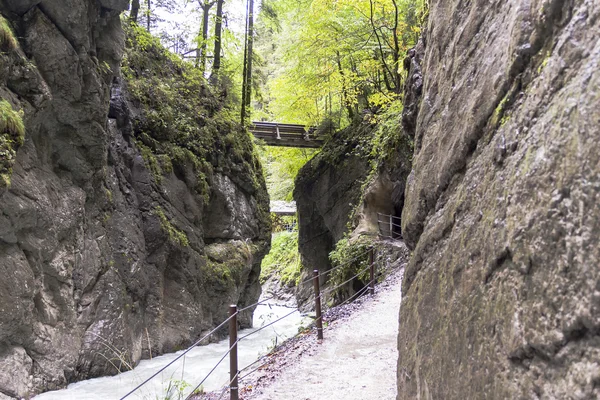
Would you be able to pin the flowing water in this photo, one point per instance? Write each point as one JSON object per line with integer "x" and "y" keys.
{"x": 191, "y": 368}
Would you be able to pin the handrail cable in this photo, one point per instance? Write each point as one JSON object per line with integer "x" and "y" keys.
{"x": 266, "y": 326}
{"x": 361, "y": 291}
{"x": 387, "y": 215}
{"x": 335, "y": 268}
{"x": 329, "y": 290}
{"x": 213, "y": 369}
{"x": 388, "y": 223}
{"x": 178, "y": 357}
{"x": 256, "y": 304}
{"x": 228, "y": 385}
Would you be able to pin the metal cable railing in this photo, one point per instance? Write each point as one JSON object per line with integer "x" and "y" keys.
{"x": 196, "y": 343}
{"x": 346, "y": 263}
{"x": 354, "y": 296}
{"x": 213, "y": 370}
{"x": 234, "y": 341}
{"x": 389, "y": 226}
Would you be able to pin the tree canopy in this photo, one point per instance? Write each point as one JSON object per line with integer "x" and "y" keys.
{"x": 312, "y": 62}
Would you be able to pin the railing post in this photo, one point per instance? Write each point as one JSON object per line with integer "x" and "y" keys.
{"x": 391, "y": 228}
{"x": 372, "y": 272}
{"x": 318, "y": 305}
{"x": 233, "y": 357}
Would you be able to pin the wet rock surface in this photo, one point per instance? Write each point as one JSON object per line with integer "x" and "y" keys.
{"x": 501, "y": 294}
{"x": 102, "y": 259}
{"x": 326, "y": 190}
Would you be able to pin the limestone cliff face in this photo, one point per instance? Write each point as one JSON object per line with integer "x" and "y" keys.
{"x": 501, "y": 296}
{"x": 110, "y": 246}
{"x": 342, "y": 188}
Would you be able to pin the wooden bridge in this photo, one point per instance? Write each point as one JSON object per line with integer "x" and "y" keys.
{"x": 286, "y": 135}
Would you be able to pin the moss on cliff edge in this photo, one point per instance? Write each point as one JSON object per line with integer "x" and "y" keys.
{"x": 181, "y": 127}
{"x": 8, "y": 41}
{"x": 12, "y": 129}
{"x": 12, "y": 135}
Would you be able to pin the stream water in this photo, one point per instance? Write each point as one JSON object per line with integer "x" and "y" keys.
{"x": 190, "y": 369}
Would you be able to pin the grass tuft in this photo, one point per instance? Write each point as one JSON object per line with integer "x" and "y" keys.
{"x": 8, "y": 41}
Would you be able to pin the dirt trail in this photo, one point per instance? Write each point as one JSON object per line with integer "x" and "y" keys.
{"x": 357, "y": 359}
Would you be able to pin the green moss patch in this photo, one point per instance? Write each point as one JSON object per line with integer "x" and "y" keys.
{"x": 351, "y": 257}
{"x": 8, "y": 41}
{"x": 175, "y": 235}
{"x": 227, "y": 261}
{"x": 12, "y": 136}
{"x": 283, "y": 259}
{"x": 182, "y": 127}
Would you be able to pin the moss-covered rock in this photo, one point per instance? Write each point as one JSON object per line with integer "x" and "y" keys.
{"x": 12, "y": 129}
{"x": 360, "y": 171}
{"x": 137, "y": 210}
{"x": 177, "y": 120}
{"x": 12, "y": 135}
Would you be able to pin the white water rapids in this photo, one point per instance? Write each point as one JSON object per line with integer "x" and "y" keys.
{"x": 191, "y": 368}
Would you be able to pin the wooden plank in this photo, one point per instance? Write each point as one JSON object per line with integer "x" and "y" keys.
{"x": 286, "y": 135}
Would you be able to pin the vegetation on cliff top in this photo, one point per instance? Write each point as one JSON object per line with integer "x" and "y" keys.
{"x": 8, "y": 41}
{"x": 12, "y": 135}
{"x": 181, "y": 126}
{"x": 283, "y": 260}
{"x": 12, "y": 129}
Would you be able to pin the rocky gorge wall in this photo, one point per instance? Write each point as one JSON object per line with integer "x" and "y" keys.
{"x": 339, "y": 192}
{"x": 502, "y": 296}
{"x": 122, "y": 233}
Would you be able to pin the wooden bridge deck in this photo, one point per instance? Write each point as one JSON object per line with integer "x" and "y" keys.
{"x": 286, "y": 135}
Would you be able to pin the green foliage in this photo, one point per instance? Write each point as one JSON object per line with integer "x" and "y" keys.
{"x": 283, "y": 259}
{"x": 12, "y": 136}
{"x": 175, "y": 235}
{"x": 353, "y": 254}
{"x": 11, "y": 122}
{"x": 389, "y": 132}
{"x": 8, "y": 41}
{"x": 281, "y": 166}
{"x": 175, "y": 390}
{"x": 182, "y": 127}
{"x": 323, "y": 57}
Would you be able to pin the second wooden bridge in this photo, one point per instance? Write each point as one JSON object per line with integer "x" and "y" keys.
{"x": 286, "y": 135}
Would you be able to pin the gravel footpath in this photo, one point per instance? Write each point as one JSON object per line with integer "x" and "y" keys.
{"x": 356, "y": 360}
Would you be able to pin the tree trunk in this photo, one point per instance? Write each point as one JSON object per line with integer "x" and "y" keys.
{"x": 148, "y": 5}
{"x": 135, "y": 11}
{"x": 345, "y": 99}
{"x": 245, "y": 71}
{"x": 203, "y": 34}
{"x": 218, "y": 37}
{"x": 396, "y": 52}
{"x": 248, "y": 99}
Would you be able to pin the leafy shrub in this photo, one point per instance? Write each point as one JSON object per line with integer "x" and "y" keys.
{"x": 12, "y": 136}
{"x": 8, "y": 41}
{"x": 351, "y": 257}
{"x": 283, "y": 259}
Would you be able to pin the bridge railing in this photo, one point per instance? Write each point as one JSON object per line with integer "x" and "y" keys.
{"x": 389, "y": 226}
{"x": 285, "y": 134}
